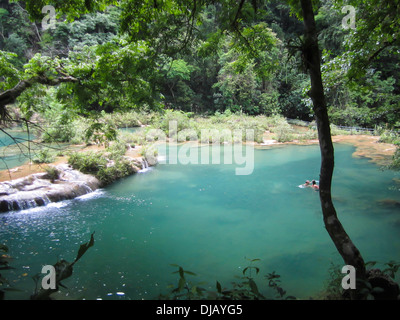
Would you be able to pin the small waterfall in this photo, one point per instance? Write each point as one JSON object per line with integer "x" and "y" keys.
{"x": 14, "y": 202}
{"x": 145, "y": 165}
{"x": 35, "y": 191}
{"x": 82, "y": 189}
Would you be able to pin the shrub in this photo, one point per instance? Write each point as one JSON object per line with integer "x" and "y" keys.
{"x": 136, "y": 138}
{"x": 44, "y": 156}
{"x": 149, "y": 151}
{"x": 395, "y": 165}
{"x": 335, "y": 131}
{"x": 309, "y": 135}
{"x": 283, "y": 132}
{"x": 116, "y": 149}
{"x": 100, "y": 133}
{"x": 389, "y": 137}
{"x": 122, "y": 119}
{"x": 120, "y": 169}
{"x": 81, "y": 125}
{"x": 58, "y": 133}
{"x": 52, "y": 173}
{"x": 95, "y": 163}
{"x": 87, "y": 162}
{"x": 170, "y": 116}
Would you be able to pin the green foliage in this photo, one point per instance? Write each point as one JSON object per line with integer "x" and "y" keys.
{"x": 107, "y": 166}
{"x": 115, "y": 172}
{"x": 87, "y": 162}
{"x": 274, "y": 283}
{"x": 362, "y": 84}
{"x": 395, "y": 165}
{"x": 283, "y": 132}
{"x": 44, "y": 155}
{"x": 17, "y": 33}
{"x": 175, "y": 120}
{"x": 388, "y": 136}
{"x": 149, "y": 151}
{"x": 335, "y": 131}
{"x": 392, "y": 267}
{"x": 100, "y": 133}
{"x": 376, "y": 27}
{"x": 116, "y": 150}
{"x": 64, "y": 270}
{"x": 333, "y": 286}
{"x": 10, "y": 74}
{"x": 58, "y": 120}
{"x": 127, "y": 119}
{"x": 245, "y": 81}
{"x": 71, "y": 8}
{"x": 52, "y": 173}
{"x": 185, "y": 290}
{"x": 366, "y": 291}
{"x": 131, "y": 83}
{"x": 178, "y": 70}
{"x": 369, "y": 291}
{"x": 134, "y": 138}
{"x": 244, "y": 289}
{"x": 203, "y": 57}
{"x": 175, "y": 20}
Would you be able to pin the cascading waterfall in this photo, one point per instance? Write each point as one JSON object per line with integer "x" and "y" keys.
{"x": 145, "y": 165}
{"x": 16, "y": 202}
{"x": 25, "y": 200}
{"x": 36, "y": 190}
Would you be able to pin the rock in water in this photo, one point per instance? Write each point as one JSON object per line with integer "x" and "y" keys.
{"x": 37, "y": 190}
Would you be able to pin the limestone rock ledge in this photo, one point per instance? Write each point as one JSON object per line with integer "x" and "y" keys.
{"x": 38, "y": 189}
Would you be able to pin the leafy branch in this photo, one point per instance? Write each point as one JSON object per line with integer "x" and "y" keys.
{"x": 246, "y": 289}
{"x": 64, "y": 270}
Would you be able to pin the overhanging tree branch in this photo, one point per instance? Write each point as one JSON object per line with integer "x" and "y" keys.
{"x": 10, "y": 96}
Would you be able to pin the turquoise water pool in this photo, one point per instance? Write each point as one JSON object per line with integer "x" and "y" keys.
{"x": 208, "y": 220}
{"x": 11, "y": 157}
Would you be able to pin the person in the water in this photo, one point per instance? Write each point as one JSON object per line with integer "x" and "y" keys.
{"x": 307, "y": 184}
{"x": 314, "y": 185}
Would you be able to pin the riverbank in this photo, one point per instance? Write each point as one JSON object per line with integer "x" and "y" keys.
{"x": 34, "y": 185}
{"x": 33, "y": 168}
{"x": 29, "y": 185}
{"x": 367, "y": 146}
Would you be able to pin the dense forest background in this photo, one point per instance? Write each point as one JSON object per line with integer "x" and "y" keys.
{"x": 211, "y": 72}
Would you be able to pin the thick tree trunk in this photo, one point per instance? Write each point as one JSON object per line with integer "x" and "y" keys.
{"x": 342, "y": 241}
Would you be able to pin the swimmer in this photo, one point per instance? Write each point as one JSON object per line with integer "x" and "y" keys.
{"x": 314, "y": 185}
{"x": 307, "y": 184}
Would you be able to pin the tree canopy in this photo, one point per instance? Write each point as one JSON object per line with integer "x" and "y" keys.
{"x": 202, "y": 56}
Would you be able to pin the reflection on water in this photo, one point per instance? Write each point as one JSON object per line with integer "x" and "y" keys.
{"x": 13, "y": 153}
{"x": 208, "y": 220}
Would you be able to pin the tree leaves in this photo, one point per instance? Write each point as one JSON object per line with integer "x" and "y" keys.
{"x": 84, "y": 247}
{"x": 8, "y": 71}
{"x": 71, "y": 8}
{"x": 63, "y": 270}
